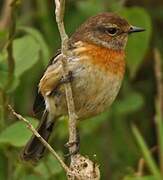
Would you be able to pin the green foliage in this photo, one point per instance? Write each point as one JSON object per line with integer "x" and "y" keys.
{"x": 40, "y": 40}
{"x": 3, "y": 35}
{"x": 141, "y": 178}
{"x": 131, "y": 103}
{"x": 150, "y": 162}
{"x": 26, "y": 54}
{"x": 4, "y": 79}
{"x": 3, "y": 76}
{"x": 2, "y": 166}
{"x": 49, "y": 167}
{"x": 16, "y": 134}
{"x": 138, "y": 44}
{"x": 89, "y": 8}
{"x": 107, "y": 135}
{"x": 159, "y": 123}
{"x": 94, "y": 123}
{"x": 61, "y": 130}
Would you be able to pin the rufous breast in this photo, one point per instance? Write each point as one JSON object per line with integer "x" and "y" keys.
{"x": 110, "y": 60}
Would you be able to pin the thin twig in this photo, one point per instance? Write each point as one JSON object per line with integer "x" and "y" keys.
{"x": 5, "y": 14}
{"x": 60, "y": 6}
{"x": 8, "y": 21}
{"x": 159, "y": 78}
{"x": 141, "y": 163}
{"x": 9, "y": 46}
{"x": 159, "y": 104}
{"x": 92, "y": 171}
{"x": 31, "y": 128}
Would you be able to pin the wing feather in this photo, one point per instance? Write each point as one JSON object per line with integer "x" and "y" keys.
{"x": 39, "y": 104}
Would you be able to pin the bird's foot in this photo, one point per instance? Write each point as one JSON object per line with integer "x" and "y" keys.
{"x": 69, "y": 145}
{"x": 74, "y": 146}
{"x": 67, "y": 79}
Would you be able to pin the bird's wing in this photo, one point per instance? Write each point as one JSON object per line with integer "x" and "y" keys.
{"x": 39, "y": 104}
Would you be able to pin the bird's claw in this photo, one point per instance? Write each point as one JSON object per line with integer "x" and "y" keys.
{"x": 70, "y": 144}
{"x": 67, "y": 79}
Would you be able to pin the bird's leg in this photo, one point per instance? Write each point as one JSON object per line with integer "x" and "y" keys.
{"x": 76, "y": 143}
{"x": 67, "y": 79}
{"x": 70, "y": 144}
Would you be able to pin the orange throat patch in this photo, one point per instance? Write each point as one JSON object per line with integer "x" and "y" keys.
{"x": 110, "y": 60}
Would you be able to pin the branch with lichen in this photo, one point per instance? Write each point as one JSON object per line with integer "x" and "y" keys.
{"x": 34, "y": 131}
{"x": 82, "y": 169}
{"x": 79, "y": 164}
{"x": 60, "y": 6}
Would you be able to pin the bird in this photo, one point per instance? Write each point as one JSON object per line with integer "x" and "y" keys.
{"x": 96, "y": 69}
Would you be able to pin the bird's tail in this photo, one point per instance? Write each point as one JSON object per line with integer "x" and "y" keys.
{"x": 34, "y": 149}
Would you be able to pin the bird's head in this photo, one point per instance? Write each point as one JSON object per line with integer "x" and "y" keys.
{"x": 107, "y": 30}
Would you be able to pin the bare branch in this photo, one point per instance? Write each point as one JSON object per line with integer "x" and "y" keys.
{"x": 60, "y": 6}
{"x": 82, "y": 167}
{"x": 32, "y": 129}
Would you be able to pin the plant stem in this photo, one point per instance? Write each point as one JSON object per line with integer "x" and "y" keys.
{"x": 10, "y": 58}
{"x": 159, "y": 105}
{"x": 2, "y": 109}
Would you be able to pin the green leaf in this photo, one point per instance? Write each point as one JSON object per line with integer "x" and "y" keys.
{"x": 3, "y": 35}
{"x": 40, "y": 40}
{"x": 89, "y": 8}
{"x": 159, "y": 125}
{"x": 26, "y": 53}
{"x": 61, "y": 130}
{"x": 17, "y": 134}
{"x": 93, "y": 123}
{"x": 146, "y": 153}
{"x": 49, "y": 167}
{"x": 141, "y": 178}
{"x": 14, "y": 85}
{"x": 129, "y": 104}
{"x": 32, "y": 177}
{"x": 3, "y": 59}
{"x": 3, "y": 165}
{"x": 138, "y": 42}
{"x": 4, "y": 79}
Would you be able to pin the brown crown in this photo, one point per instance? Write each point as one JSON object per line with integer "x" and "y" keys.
{"x": 94, "y": 22}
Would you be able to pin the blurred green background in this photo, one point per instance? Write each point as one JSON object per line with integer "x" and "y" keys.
{"x": 29, "y": 36}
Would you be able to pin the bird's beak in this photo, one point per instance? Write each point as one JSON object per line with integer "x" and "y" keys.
{"x": 134, "y": 29}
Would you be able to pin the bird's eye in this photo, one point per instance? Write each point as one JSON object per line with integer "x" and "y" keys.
{"x": 112, "y": 31}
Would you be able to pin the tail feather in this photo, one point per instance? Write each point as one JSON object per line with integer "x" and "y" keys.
{"x": 34, "y": 149}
